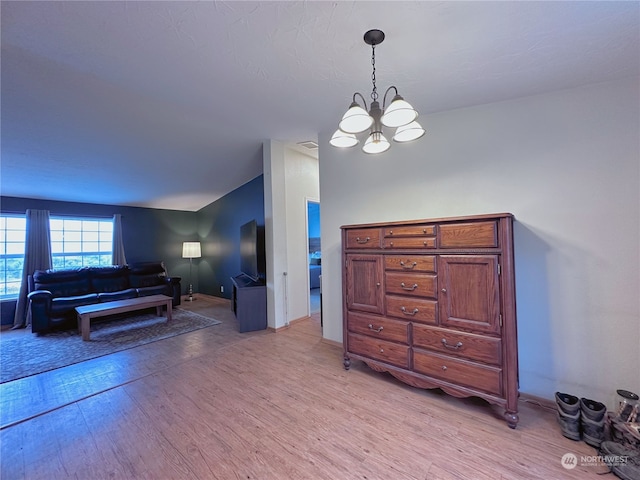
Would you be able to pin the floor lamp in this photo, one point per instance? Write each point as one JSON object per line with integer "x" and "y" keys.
{"x": 191, "y": 250}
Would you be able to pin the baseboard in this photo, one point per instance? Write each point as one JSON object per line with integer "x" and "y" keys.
{"x": 539, "y": 401}
{"x": 291, "y": 322}
{"x": 279, "y": 329}
{"x": 333, "y": 343}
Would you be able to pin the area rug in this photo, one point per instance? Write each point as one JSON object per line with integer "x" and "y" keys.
{"x": 23, "y": 354}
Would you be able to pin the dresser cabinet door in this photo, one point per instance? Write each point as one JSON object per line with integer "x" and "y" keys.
{"x": 469, "y": 296}
{"x": 364, "y": 275}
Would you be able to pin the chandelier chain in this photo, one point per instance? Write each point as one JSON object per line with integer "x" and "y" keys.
{"x": 374, "y": 92}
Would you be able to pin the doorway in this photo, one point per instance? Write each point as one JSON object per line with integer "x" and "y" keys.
{"x": 314, "y": 249}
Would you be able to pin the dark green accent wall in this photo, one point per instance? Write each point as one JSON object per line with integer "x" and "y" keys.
{"x": 219, "y": 230}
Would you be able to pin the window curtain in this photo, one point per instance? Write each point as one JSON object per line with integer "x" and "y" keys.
{"x": 118, "y": 257}
{"x": 37, "y": 256}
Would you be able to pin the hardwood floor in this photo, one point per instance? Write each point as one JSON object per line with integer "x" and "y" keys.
{"x": 217, "y": 404}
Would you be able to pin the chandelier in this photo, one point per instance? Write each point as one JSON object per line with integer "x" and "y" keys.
{"x": 399, "y": 114}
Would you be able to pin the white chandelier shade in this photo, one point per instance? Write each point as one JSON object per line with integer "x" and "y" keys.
{"x": 407, "y": 133}
{"x": 399, "y": 115}
{"x": 356, "y": 120}
{"x": 376, "y": 143}
{"x": 343, "y": 139}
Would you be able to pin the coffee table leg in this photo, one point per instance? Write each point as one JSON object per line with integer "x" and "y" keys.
{"x": 85, "y": 327}
{"x": 169, "y": 307}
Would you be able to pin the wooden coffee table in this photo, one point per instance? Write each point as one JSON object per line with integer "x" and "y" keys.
{"x": 88, "y": 312}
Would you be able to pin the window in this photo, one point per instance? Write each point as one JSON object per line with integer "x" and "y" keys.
{"x": 81, "y": 242}
{"x": 75, "y": 242}
{"x": 12, "y": 237}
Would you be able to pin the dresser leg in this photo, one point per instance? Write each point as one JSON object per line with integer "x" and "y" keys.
{"x": 511, "y": 418}
{"x": 347, "y": 363}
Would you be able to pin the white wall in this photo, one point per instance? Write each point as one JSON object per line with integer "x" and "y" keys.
{"x": 290, "y": 178}
{"x": 566, "y": 164}
{"x": 301, "y": 177}
{"x": 275, "y": 228}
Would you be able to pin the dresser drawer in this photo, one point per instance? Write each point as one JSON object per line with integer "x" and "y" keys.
{"x": 409, "y": 242}
{"x": 410, "y": 230}
{"x": 412, "y": 309}
{"x": 469, "y": 235}
{"x": 363, "y": 238}
{"x": 414, "y": 284}
{"x": 462, "y": 372}
{"x": 376, "y": 349}
{"x": 378, "y": 327}
{"x": 407, "y": 263}
{"x": 467, "y": 345}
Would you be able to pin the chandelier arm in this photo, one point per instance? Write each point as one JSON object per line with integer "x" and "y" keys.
{"x": 363, "y": 100}
{"x": 384, "y": 99}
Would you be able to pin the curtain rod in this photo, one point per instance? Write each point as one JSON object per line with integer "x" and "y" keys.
{"x": 9, "y": 212}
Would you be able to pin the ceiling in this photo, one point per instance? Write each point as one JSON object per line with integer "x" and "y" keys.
{"x": 166, "y": 104}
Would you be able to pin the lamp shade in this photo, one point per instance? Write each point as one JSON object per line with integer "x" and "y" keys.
{"x": 191, "y": 250}
{"x": 356, "y": 120}
{"x": 406, "y": 133}
{"x": 399, "y": 113}
{"x": 343, "y": 139}
{"x": 376, "y": 143}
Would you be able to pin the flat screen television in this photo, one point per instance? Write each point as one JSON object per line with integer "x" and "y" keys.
{"x": 249, "y": 250}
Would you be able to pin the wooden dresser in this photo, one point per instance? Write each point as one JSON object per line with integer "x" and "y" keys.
{"x": 432, "y": 302}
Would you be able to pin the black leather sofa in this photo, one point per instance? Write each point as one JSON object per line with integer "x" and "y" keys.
{"x": 54, "y": 294}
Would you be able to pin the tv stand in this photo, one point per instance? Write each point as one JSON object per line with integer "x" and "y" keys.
{"x": 249, "y": 303}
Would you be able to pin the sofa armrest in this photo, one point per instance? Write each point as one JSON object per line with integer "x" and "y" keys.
{"x": 176, "y": 289}
{"x": 40, "y": 304}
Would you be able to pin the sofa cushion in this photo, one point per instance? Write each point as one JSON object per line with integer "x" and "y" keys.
{"x": 113, "y": 296}
{"x": 154, "y": 290}
{"x": 63, "y": 283}
{"x": 142, "y": 281}
{"x": 110, "y": 279}
{"x": 63, "y": 305}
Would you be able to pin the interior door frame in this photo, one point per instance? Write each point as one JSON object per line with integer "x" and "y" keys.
{"x": 309, "y": 200}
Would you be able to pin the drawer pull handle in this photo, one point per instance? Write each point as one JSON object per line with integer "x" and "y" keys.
{"x": 444, "y": 367}
{"x": 390, "y": 232}
{"x": 444, "y": 290}
{"x": 409, "y": 289}
{"x": 404, "y": 310}
{"x": 381, "y": 350}
{"x": 424, "y": 230}
{"x": 451, "y": 347}
{"x": 378, "y": 330}
{"x": 410, "y": 267}
{"x": 359, "y": 240}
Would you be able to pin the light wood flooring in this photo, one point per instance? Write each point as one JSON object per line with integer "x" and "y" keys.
{"x": 217, "y": 404}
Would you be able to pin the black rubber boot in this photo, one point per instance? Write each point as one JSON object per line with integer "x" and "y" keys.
{"x": 568, "y": 415}
{"x": 593, "y": 418}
